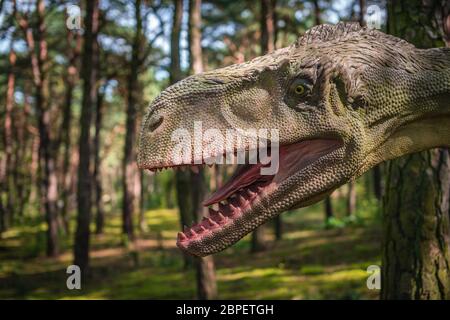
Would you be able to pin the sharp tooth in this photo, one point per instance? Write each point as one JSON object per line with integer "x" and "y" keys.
{"x": 242, "y": 200}
{"x": 202, "y": 229}
{"x": 193, "y": 233}
{"x": 181, "y": 236}
{"x": 250, "y": 193}
{"x": 221, "y": 217}
{"x": 211, "y": 222}
{"x": 205, "y": 222}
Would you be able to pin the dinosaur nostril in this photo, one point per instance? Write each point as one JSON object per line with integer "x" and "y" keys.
{"x": 154, "y": 123}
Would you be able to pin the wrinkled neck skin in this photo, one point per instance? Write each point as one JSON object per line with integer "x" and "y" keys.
{"x": 426, "y": 124}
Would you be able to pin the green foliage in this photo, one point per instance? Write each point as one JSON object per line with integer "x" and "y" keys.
{"x": 309, "y": 263}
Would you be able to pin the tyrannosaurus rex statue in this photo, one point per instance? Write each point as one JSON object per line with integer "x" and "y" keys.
{"x": 343, "y": 99}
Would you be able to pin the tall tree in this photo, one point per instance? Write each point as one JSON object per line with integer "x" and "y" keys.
{"x": 65, "y": 141}
{"x": 182, "y": 178}
{"x": 416, "y": 256}
{"x": 96, "y": 175}
{"x": 351, "y": 198}
{"x": 37, "y": 46}
{"x": 89, "y": 76}
{"x": 362, "y": 12}
{"x": 8, "y": 139}
{"x": 129, "y": 164}
{"x": 206, "y": 277}
{"x": 328, "y": 207}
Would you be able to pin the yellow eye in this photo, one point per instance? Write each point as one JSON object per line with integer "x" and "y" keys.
{"x": 299, "y": 89}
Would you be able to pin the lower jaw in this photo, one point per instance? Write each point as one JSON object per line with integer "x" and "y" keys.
{"x": 228, "y": 234}
{"x": 232, "y": 227}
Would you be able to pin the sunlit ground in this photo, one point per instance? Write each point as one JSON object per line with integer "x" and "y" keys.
{"x": 311, "y": 262}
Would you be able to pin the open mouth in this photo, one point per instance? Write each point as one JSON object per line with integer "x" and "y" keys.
{"x": 233, "y": 211}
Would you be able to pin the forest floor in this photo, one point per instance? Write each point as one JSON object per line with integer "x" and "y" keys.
{"x": 310, "y": 262}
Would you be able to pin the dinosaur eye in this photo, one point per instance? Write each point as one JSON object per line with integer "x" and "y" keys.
{"x": 299, "y": 89}
{"x": 298, "y": 92}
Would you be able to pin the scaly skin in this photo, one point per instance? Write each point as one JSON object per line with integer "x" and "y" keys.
{"x": 376, "y": 96}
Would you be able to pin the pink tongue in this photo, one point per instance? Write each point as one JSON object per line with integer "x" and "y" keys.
{"x": 242, "y": 178}
{"x": 291, "y": 158}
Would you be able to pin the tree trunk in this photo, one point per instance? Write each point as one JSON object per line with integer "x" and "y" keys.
{"x": 175, "y": 67}
{"x": 267, "y": 25}
{"x": 129, "y": 163}
{"x": 258, "y": 242}
{"x": 23, "y": 180}
{"x": 89, "y": 76}
{"x": 48, "y": 183}
{"x": 66, "y": 141}
{"x": 278, "y": 227}
{"x": 328, "y": 208}
{"x": 317, "y": 13}
{"x": 182, "y": 178}
{"x": 445, "y": 13}
{"x": 416, "y": 258}
{"x": 416, "y": 244}
{"x": 351, "y": 199}
{"x": 143, "y": 228}
{"x": 205, "y": 270}
{"x": 206, "y": 276}
{"x": 377, "y": 182}
{"x": 8, "y": 185}
{"x": 96, "y": 176}
{"x": 2, "y": 217}
{"x": 362, "y": 12}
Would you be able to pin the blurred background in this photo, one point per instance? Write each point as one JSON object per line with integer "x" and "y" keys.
{"x": 75, "y": 81}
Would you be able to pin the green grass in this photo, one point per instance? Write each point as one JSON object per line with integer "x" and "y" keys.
{"x": 313, "y": 261}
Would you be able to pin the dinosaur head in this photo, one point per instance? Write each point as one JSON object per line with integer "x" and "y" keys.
{"x": 338, "y": 101}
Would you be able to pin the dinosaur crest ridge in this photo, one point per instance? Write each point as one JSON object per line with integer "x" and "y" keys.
{"x": 344, "y": 31}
